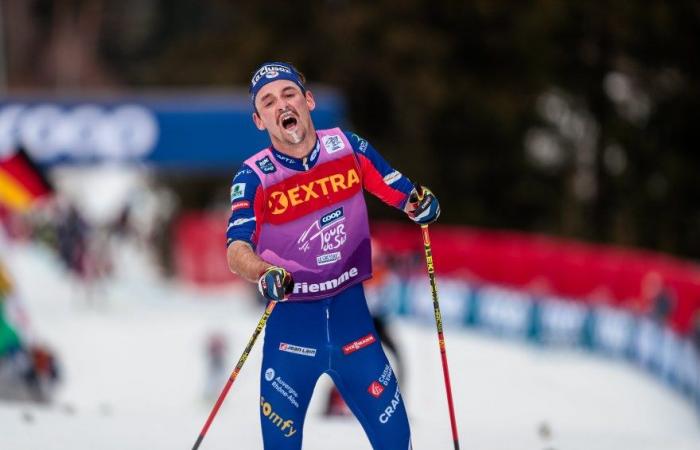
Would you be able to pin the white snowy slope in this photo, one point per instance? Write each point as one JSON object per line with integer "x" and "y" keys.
{"x": 134, "y": 373}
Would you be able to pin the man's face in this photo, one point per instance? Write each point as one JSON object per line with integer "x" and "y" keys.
{"x": 284, "y": 111}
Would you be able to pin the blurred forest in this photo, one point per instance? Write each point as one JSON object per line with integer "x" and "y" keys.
{"x": 571, "y": 118}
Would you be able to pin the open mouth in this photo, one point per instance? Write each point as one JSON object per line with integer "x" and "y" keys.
{"x": 289, "y": 122}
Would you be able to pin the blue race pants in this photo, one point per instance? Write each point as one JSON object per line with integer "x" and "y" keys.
{"x": 335, "y": 336}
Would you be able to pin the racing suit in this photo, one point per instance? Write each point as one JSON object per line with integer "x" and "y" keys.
{"x": 309, "y": 216}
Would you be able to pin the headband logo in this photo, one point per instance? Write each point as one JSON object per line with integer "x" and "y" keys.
{"x": 269, "y": 71}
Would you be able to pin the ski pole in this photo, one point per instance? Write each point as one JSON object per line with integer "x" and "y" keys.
{"x": 441, "y": 337}
{"x": 234, "y": 374}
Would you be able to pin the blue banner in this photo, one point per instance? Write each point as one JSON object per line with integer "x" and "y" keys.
{"x": 174, "y": 131}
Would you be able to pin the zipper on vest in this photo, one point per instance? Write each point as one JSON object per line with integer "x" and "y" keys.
{"x": 328, "y": 332}
{"x": 305, "y": 162}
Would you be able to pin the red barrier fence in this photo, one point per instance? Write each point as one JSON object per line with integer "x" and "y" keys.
{"x": 544, "y": 265}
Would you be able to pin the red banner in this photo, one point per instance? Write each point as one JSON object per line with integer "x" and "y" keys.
{"x": 542, "y": 265}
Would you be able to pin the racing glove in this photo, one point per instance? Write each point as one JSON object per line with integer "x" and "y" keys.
{"x": 275, "y": 283}
{"x": 422, "y": 206}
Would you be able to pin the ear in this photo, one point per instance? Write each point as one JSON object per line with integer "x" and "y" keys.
{"x": 310, "y": 102}
{"x": 258, "y": 122}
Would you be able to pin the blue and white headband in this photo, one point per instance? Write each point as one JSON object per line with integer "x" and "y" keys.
{"x": 273, "y": 71}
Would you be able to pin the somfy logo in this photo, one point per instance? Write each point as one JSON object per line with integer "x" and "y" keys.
{"x": 82, "y": 132}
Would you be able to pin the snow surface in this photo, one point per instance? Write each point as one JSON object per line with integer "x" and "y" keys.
{"x": 133, "y": 365}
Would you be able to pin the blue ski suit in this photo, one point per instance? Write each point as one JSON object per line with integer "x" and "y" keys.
{"x": 332, "y": 334}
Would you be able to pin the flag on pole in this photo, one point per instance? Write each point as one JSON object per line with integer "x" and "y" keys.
{"x": 21, "y": 182}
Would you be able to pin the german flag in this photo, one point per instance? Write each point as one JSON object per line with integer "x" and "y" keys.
{"x": 21, "y": 182}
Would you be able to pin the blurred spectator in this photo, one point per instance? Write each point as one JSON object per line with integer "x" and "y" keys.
{"x": 695, "y": 331}
{"x": 72, "y": 231}
{"x": 658, "y": 297}
{"x": 28, "y": 372}
{"x": 216, "y": 348}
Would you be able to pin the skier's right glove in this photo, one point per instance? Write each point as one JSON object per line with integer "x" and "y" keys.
{"x": 275, "y": 283}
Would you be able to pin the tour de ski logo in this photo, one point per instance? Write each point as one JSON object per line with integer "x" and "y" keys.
{"x": 329, "y": 233}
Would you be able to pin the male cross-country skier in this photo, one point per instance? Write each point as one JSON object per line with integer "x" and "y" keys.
{"x": 299, "y": 229}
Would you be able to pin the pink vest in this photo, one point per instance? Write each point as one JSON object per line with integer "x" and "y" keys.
{"x": 314, "y": 223}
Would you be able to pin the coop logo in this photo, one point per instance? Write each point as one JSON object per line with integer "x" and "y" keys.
{"x": 361, "y": 343}
{"x": 285, "y": 426}
{"x": 84, "y": 132}
{"x": 304, "y": 351}
{"x": 329, "y": 232}
{"x": 331, "y": 217}
{"x": 391, "y": 408}
{"x": 307, "y": 195}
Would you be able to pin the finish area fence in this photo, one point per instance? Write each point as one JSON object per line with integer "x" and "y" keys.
{"x": 635, "y": 305}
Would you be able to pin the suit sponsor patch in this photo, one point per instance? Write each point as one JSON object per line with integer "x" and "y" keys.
{"x": 240, "y": 205}
{"x": 375, "y": 389}
{"x": 297, "y": 349}
{"x": 359, "y": 344}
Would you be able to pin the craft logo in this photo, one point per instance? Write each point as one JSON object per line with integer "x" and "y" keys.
{"x": 285, "y": 426}
{"x": 304, "y": 351}
{"x": 283, "y": 158}
{"x": 359, "y": 344}
{"x": 316, "y": 191}
{"x": 244, "y": 171}
{"x": 237, "y": 191}
{"x": 333, "y": 143}
{"x": 265, "y": 165}
{"x": 375, "y": 389}
{"x": 391, "y": 408}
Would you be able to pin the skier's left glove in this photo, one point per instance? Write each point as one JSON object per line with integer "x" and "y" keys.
{"x": 275, "y": 283}
{"x": 422, "y": 206}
